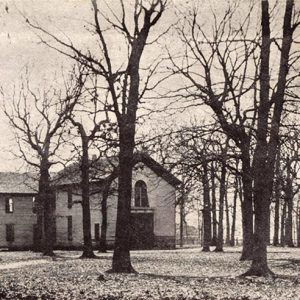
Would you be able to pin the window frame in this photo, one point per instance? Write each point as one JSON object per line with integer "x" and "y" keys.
{"x": 9, "y": 205}
{"x": 10, "y": 233}
{"x": 70, "y": 228}
{"x": 141, "y": 194}
{"x": 34, "y": 205}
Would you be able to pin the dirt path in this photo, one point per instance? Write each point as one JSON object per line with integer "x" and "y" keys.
{"x": 20, "y": 264}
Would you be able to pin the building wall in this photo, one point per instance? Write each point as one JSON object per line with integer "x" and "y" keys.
{"x": 22, "y": 218}
{"x": 161, "y": 197}
{"x": 63, "y": 212}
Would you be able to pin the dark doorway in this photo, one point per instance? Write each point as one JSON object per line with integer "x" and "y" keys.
{"x": 142, "y": 235}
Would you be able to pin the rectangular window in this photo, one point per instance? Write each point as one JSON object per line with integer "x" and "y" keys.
{"x": 70, "y": 229}
{"x": 9, "y": 205}
{"x": 10, "y": 234}
{"x": 70, "y": 198}
{"x": 34, "y": 205}
{"x": 97, "y": 231}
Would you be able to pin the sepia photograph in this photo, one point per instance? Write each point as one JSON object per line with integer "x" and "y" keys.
{"x": 150, "y": 149}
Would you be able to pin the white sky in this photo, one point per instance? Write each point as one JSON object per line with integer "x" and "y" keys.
{"x": 20, "y": 47}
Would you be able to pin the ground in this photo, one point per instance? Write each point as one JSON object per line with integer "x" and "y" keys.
{"x": 171, "y": 274}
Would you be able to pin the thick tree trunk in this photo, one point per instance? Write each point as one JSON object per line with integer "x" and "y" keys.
{"x": 49, "y": 223}
{"x": 121, "y": 257}
{"x": 235, "y": 195}
{"x": 289, "y": 224}
{"x": 38, "y": 229}
{"x": 219, "y": 246}
{"x": 262, "y": 174}
{"x": 266, "y": 149}
{"x": 247, "y": 204}
{"x": 259, "y": 265}
{"x": 282, "y": 227}
{"x": 47, "y": 198}
{"x": 206, "y": 210}
{"x": 85, "y": 192}
{"x": 213, "y": 206}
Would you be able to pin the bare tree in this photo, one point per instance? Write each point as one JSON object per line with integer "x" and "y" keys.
{"x": 87, "y": 137}
{"x": 226, "y": 52}
{"x": 286, "y": 180}
{"x": 38, "y": 119}
{"x": 266, "y": 148}
{"x": 123, "y": 84}
{"x": 234, "y": 49}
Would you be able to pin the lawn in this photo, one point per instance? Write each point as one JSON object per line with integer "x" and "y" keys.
{"x": 173, "y": 274}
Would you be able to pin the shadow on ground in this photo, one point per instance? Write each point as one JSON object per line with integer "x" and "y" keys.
{"x": 228, "y": 279}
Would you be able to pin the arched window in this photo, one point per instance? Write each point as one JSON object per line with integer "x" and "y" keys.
{"x": 140, "y": 194}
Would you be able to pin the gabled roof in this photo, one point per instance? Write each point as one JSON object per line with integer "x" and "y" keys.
{"x": 157, "y": 168}
{"x": 17, "y": 183}
{"x": 102, "y": 168}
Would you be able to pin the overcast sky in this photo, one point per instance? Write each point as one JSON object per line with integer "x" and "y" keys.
{"x": 21, "y": 49}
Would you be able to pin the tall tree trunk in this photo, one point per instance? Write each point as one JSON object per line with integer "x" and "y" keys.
{"x": 219, "y": 246}
{"x": 261, "y": 174}
{"x": 206, "y": 210}
{"x": 235, "y": 195}
{"x": 265, "y": 152}
{"x": 38, "y": 228}
{"x": 105, "y": 193}
{"x": 247, "y": 203}
{"x": 298, "y": 224}
{"x": 47, "y": 198}
{"x": 85, "y": 193}
{"x": 121, "y": 257}
{"x": 289, "y": 200}
{"x": 227, "y": 241}
{"x": 277, "y": 201}
{"x": 269, "y": 227}
{"x": 103, "y": 234}
{"x": 199, "y": 224}
{"x": 213, "y": 206}
{"x": 282, "y": 227}
{"x": 181, "y": 225}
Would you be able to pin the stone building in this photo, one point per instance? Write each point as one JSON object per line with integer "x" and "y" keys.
{"x": 152, "y": 208}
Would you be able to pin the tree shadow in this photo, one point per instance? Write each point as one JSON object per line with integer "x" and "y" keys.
{"x": 180, "y": 278}
{"x": 287, "y": 262}
{"x": 238, "y": 279}
{"x": 65, "y": 258}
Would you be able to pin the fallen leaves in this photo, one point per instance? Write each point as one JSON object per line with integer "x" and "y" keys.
{"x": 175, "y": 274}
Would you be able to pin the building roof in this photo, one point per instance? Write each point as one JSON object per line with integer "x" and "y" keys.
{"x": 17, "y": 183}
{"x": 157, "y": 168}
{"x": 102, "y": 168}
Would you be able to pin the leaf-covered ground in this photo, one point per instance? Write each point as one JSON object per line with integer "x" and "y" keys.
{"x": 173, "y": 274}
